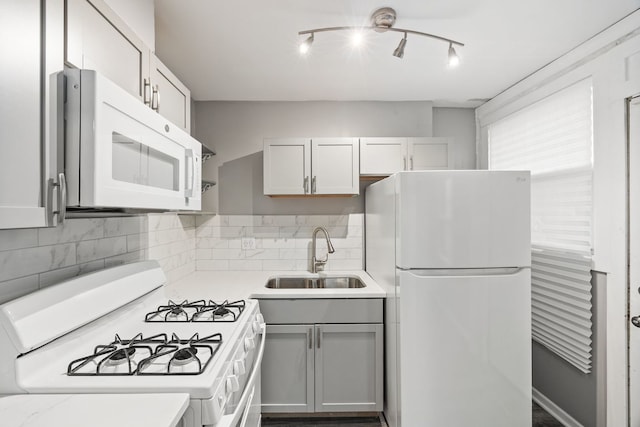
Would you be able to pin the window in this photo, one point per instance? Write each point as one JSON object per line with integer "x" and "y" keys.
{"x": 553, "y": 138}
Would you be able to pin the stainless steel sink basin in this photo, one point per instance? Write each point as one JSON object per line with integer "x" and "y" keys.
{"x": 315, "y": 283}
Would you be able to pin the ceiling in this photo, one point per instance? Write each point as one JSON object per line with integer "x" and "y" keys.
{"x": 248, "y": 49}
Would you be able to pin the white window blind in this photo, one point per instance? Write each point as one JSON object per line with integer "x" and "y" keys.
{"x": 553, "y": 138}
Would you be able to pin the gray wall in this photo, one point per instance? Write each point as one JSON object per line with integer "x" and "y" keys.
{"x": 235, "y": 131}
{"x": 460, "y": 124}
{"x": 580, "y": 395}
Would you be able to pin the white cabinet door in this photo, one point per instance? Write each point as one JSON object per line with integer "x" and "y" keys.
{"x": 287, "y": 166}
{"x": 335, "y": 166}
{"x": 348, "y": 371}
{"x": 287, "y": 369}
{"x": 382, "y": 156}
{"x": 430, "y": 153}
{"x": 98, "y": 39}
{"x": 30, "y": 124}
{"x": 170, "y": 97}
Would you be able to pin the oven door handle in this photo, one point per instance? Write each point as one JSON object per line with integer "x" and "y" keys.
{"x": 231, "y": 420}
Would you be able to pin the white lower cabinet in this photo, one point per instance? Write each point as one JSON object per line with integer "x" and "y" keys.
{"x": 321, "y": 367}
{"x": 288, "y": 369}
{"x": 348, "y": 367}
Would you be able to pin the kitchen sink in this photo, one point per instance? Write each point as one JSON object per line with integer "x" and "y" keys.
{"x": 344, "y": 282}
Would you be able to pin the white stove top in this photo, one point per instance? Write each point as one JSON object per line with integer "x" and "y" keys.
{"x": 44, "y": 369}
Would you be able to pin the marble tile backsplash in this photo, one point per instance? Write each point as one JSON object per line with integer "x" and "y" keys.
{"x": 282, "y": 242}
{"x": 31, "y": 259}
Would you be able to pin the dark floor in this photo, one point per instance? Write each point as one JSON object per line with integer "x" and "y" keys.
{"x": 541, "y": 418}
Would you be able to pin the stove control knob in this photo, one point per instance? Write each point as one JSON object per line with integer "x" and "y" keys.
{"x": 235, "y": 384}
{"x": 239, "y": 367}
{"x": 249, "y": 344}
{"x": 232, "y": 385}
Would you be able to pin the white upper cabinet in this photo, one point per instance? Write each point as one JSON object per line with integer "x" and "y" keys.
{"x": 169, "y": 96}
{"x": 311, "y": 166}
{"x": 30, "y": 113}
{"x": 287, "y": 166}
{"x": 430, "y": 153}
{"x": 335, "y": 166}
{"x": 98, "y": 39}
{"x": 384, "y": 156}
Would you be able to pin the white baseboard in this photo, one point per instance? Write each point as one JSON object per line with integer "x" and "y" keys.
{"x": 557, "y": 412}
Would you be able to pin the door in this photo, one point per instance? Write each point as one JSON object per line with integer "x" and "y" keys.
{"x": 287, "y": 166}
{"x": 170, "y": 97}
{"x": 98, "y": 39}
{"x": 634, "y": 260}
{"x": 382, "y": 156}
{"x": 463, "y": 219}
{"x": 335, "y": 166}
{"x": 430, "y": 153}
{"x": 464, "y": 348}
{"x": 287, "y": 369}
{"x": 348, "y": 371}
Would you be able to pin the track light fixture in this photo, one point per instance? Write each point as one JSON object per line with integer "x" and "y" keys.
{"x": 382, "y": 20}
{"x": 399, "y": 52}
{"x": 453, "y": 57}
{"x": 306, "y": 45}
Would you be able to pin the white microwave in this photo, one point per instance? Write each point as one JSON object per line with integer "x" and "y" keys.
{"x": 119, "y": 153}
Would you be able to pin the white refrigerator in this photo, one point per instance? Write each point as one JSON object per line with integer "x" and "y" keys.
{"x": 452, "y": 250}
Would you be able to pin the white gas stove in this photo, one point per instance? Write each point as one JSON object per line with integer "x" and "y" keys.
{"x": 115, "y": 331}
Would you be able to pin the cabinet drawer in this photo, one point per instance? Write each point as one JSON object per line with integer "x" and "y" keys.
{"x": 347, "y": 310}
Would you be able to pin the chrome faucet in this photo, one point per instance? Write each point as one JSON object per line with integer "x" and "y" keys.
{"x": 318, "y": 264}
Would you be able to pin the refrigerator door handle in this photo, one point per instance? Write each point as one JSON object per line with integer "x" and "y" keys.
{"x": 430, "y": 272}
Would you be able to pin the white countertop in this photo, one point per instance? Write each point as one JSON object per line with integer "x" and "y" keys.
{"x": 234, "y": 285}
{"x": 95, "y": 410}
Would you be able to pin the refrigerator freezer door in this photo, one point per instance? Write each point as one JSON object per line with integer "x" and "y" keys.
{"x": 464, "y": 350}
{"x": 462, "y": 219}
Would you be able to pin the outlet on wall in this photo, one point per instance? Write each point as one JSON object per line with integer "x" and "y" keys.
{"x": 248, "y": 242}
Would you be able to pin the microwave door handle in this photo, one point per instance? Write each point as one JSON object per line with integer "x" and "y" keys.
{"x": 191, "y": 173}
{"x": 232, "y": 419}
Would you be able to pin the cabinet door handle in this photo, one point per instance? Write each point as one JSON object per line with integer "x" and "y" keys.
{"x": 310, "y": 335}
{"x": 313, "y": 185}
{"x": 318, "y": 336}
{"x": 404, "y": 162}
{"x": 155, "y": 99}
{"x": 305, "y": 186}
{"x": 145, "y": 91}
{"x": 62, "y": 198}
{"x": 411, "y": 162}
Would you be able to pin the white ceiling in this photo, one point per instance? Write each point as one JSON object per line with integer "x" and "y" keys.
{"x": 248, "y": 49}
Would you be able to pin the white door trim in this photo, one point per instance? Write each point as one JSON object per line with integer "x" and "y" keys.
{"x": 633, "y": 254}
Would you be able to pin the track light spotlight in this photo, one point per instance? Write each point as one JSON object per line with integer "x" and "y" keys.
{"x": 454, "y": 60}
{"x": 399, "y": 52}
{"x": 306, "y": 45}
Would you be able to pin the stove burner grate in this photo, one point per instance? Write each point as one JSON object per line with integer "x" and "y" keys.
{"x": 198, "y": 311}
{"x": 139, "y": 355}
{"x": 119, "y": 352}
{"x": 181, "y": 354}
